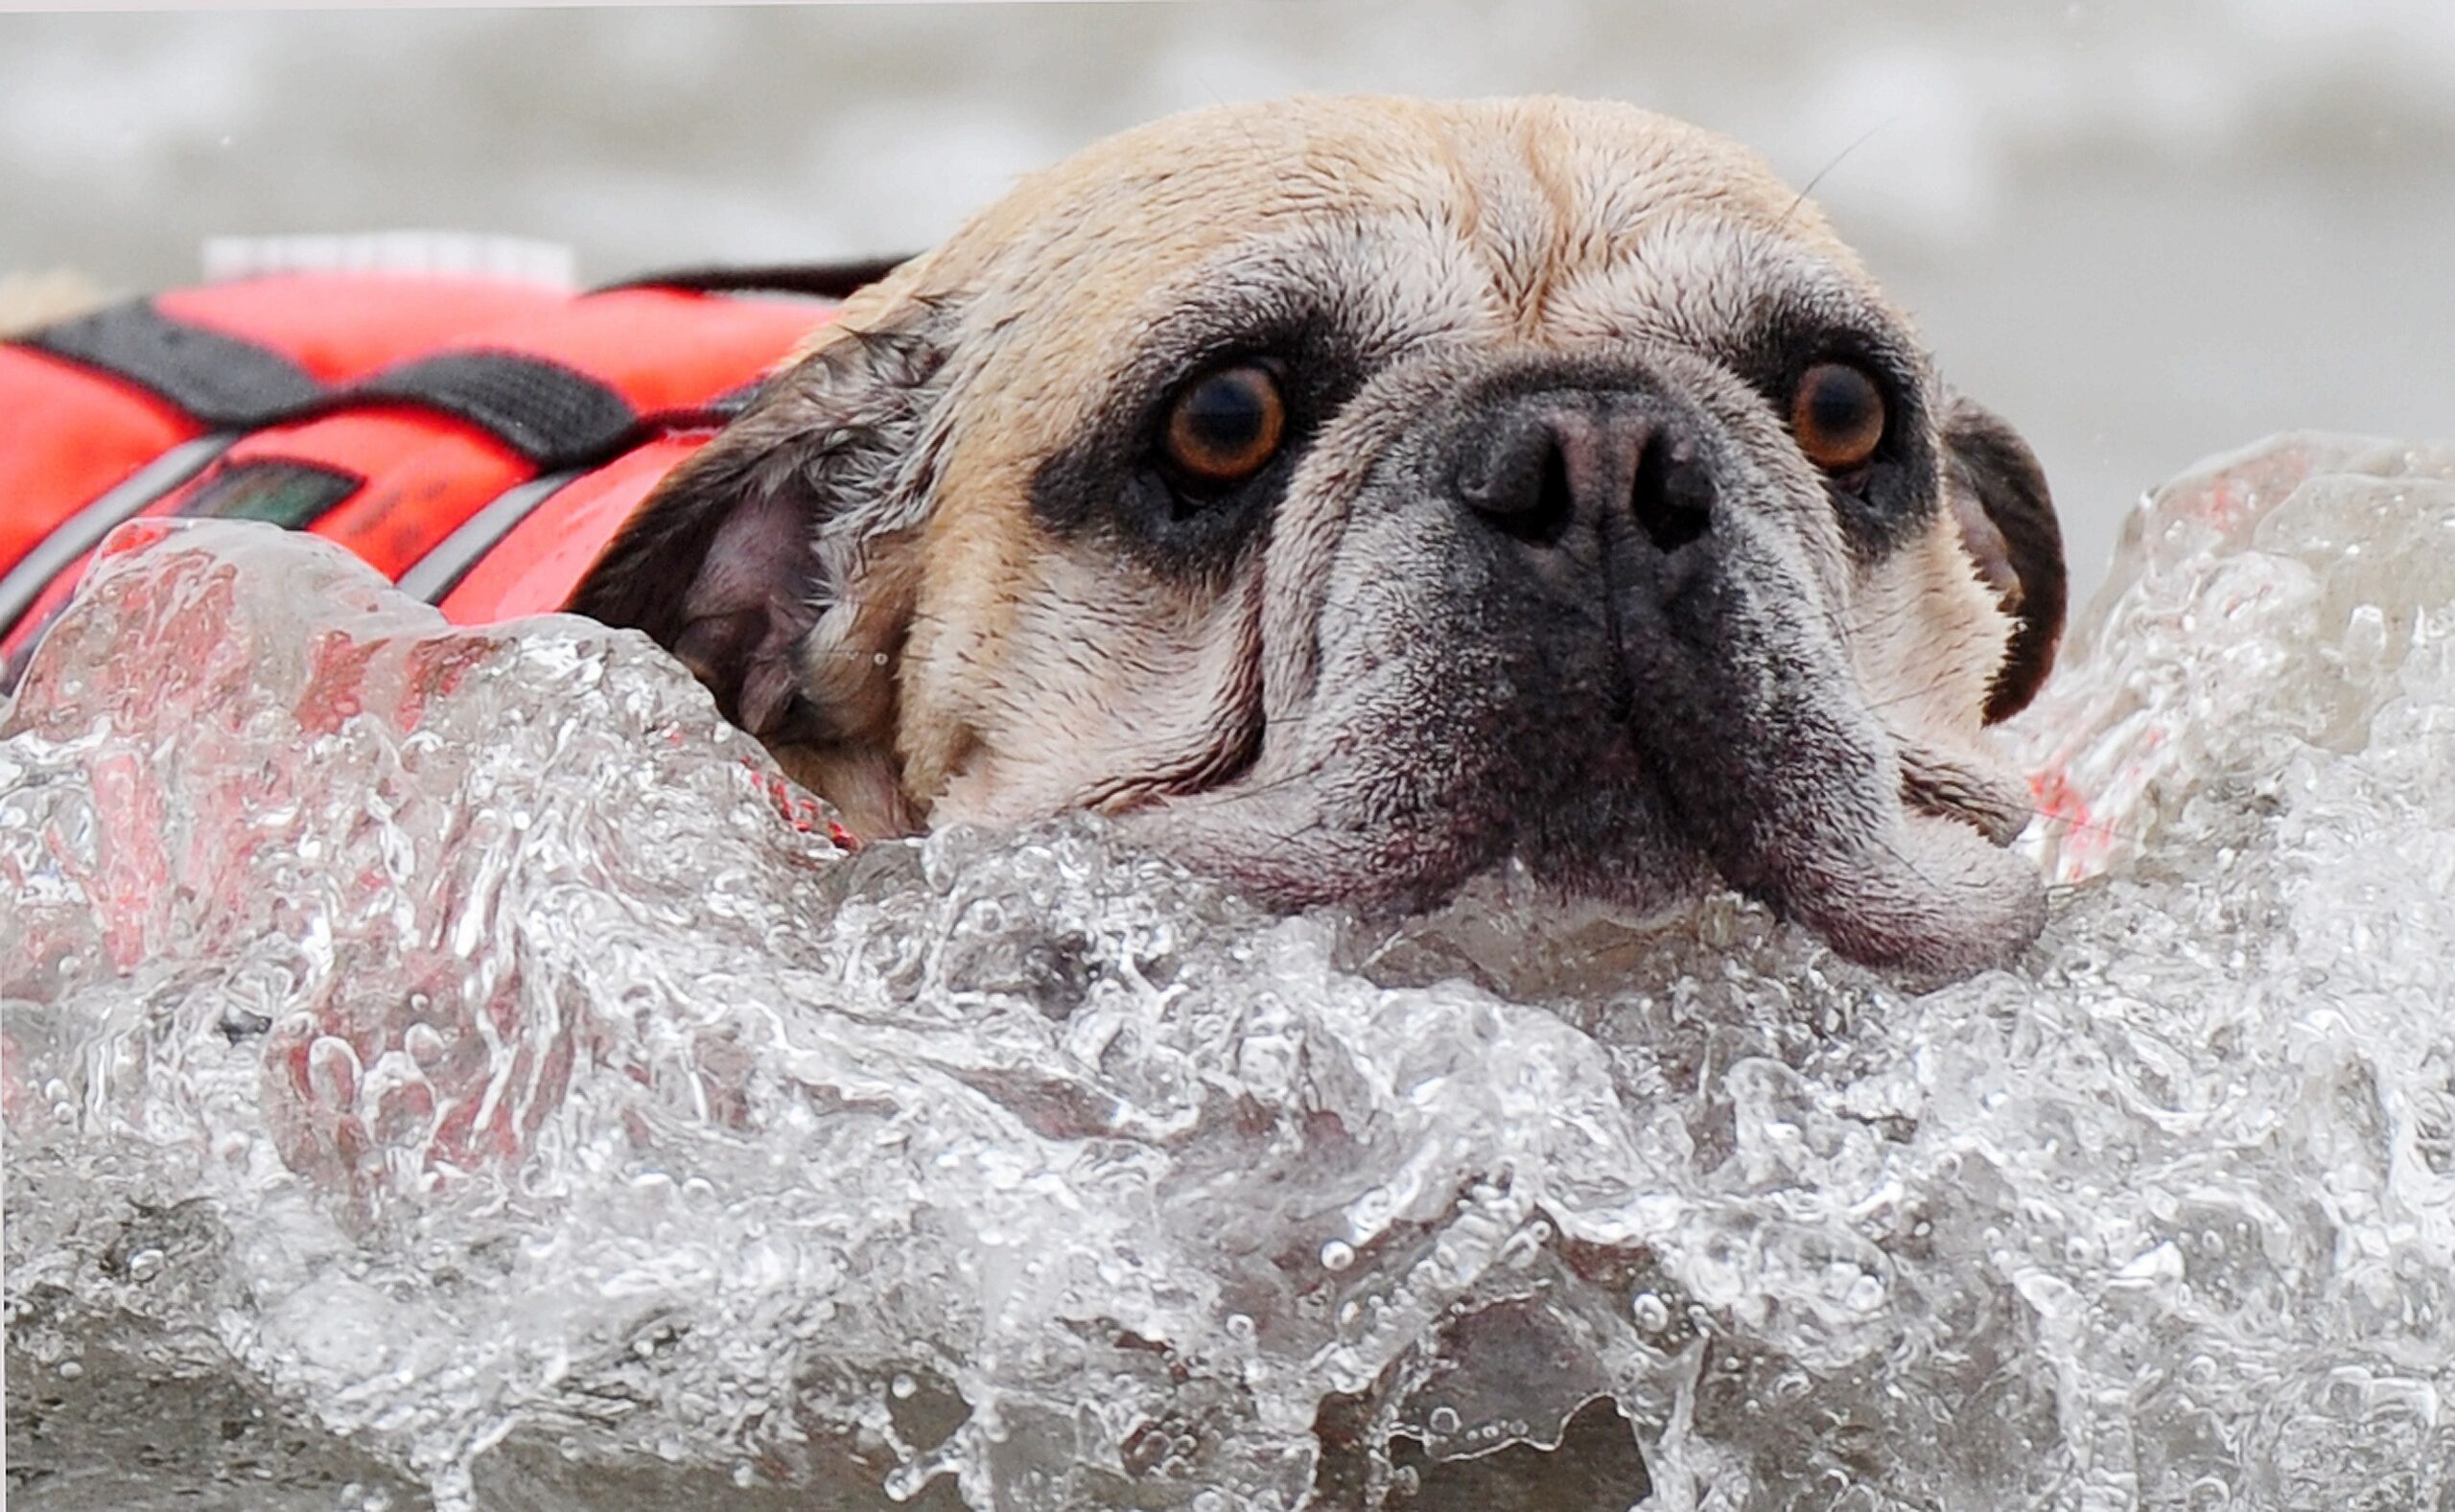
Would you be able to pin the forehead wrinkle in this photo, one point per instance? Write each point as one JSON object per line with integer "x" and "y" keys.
{"x": 1703, "y": 280}
{"x": 1558, "y": 196}
{"x": 1512, "y": 229}
{"x": 1393, "y": 280}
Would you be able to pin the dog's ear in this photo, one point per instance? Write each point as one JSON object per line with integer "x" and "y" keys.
{"x": 776, "y": 563}
{"x": 2006, "y": 516}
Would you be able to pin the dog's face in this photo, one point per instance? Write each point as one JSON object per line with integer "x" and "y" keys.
{"x": 1357, "y": 493}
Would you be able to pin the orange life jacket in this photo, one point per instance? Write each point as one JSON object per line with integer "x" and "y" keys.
{"x": 479, "y": 442}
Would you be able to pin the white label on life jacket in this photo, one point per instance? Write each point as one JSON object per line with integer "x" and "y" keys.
{"x": 463, "y": 253}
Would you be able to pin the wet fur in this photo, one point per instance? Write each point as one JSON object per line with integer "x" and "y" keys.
{"x": 908, "y": 568}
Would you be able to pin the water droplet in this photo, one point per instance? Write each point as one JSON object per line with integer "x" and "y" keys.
{"x": 1336, "y": 1255}
{"x": 70, "y": 1370}
{"x": 332, "y": 1072}
{"x": 1653, "y": 1313}
{"x": 903, "y": 1387}
{"x": 1443, "y": 1421}
{"x": 423, "y": 1041}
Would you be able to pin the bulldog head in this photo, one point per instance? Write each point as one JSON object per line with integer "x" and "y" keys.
{"x": 1352, "y": 493}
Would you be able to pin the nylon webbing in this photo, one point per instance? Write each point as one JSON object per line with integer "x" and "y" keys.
{"x": 220, "y": 380}
{"x": 818, "y": 280}
{"x": 555, "y": 416}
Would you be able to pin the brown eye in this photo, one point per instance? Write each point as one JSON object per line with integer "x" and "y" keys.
{"x": 1837, "y": 416}
{"x": 1226, "y": 425}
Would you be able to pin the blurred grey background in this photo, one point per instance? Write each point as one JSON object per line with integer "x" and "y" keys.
{"x": 2144, "y": 231}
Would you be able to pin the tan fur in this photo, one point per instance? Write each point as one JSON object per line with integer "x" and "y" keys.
{"x": 1926, "y": 630}
{"x": 1533, "y": 352}
{"x": 1540, "y": 222}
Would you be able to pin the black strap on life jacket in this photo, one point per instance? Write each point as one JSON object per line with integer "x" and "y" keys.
{"x": 223, "y": 381}
{"x": 815, "y": 280}
{"x": 555, "y": 416}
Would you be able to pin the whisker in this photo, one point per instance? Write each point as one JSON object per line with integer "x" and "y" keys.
{"x": 1836, "y": 163}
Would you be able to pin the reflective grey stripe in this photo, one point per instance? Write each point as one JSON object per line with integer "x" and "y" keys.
{"x": 439, "y": 571}
{"x": 81, "y": 532}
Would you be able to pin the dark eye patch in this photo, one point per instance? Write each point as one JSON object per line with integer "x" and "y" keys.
{"x": 1126, "y": 479}
{"x": 1892, "y": 494}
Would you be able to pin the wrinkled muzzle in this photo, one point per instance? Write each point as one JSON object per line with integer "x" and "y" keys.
{"x": 1582, "y": 617}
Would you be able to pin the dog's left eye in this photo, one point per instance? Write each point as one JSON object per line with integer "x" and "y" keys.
{"x": 1837, "y": 416}
{"x": 1226, "y": 425}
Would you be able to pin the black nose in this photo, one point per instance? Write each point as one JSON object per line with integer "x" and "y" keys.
{"x": 1546, "y": 462}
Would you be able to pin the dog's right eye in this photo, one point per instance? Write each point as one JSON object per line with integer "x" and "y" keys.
{"x": 1226, "y": 425}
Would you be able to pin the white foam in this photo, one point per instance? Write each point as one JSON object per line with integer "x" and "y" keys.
{"x": 437, "y": 1039}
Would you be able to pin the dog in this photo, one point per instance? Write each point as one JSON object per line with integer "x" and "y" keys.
{"x": 1352, "y": 494}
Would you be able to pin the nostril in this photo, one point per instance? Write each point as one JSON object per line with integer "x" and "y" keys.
{"x": 1522, "y": 487}
{"x": 1673, "y": 495}
{"x": 1550, "y": 507}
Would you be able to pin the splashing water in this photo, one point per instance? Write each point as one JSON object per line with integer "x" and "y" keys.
{"x": 452, "y": 1067}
